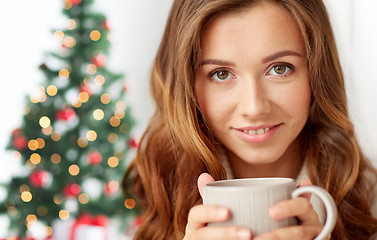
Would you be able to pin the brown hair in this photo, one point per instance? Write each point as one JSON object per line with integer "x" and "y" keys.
{"x": 177, "y": 147}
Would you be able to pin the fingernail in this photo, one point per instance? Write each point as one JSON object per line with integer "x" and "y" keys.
{"x": 222, "y": 213}
{"x": 260, "y": 237}
{"x": 244, "y": 234}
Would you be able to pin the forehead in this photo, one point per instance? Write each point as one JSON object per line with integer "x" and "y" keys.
{"x": 264, "y": 26}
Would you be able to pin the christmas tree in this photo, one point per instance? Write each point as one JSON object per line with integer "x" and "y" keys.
{"x": 75, "y": 132}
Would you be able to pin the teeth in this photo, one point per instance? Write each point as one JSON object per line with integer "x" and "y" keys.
{"x": 258, "y": 131}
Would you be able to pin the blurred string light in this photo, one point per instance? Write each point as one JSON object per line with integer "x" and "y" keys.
{"x": 71, "y": 24}
{"x": 56, "y": 158}
{"x": 105, "y": 98}
{"x": 39, "y": 95}
{"x": 69, "y": 42}
{"x": 64, "y": 73}
{"x": 24, "y": 188}
{"x": 67, "y": 4}
{"x": 47, "y": 131}
{"x": 35, "y": 158}
{"x": 56, "y": 136}
{"x": 82, "y": 142}
{"x": 129, "y": 203}
{"x": 112, "y": 137}
{"x": 83, "y": 97}
{"x": 95, "y": 35}
{"x": 113, "y": 162}
{"x": 57, "y": 199}
{"x": 99, "y": 79}
{"x": 74, "y": 170}
{"x": 52, "y": 90}
{"x": 49, "y": 231}
{"x": 91, "y": 68}
{"x": 26, "y": 196}
{"x": 114, "y": 121}
{"x": 76, "y": 103}
{"x": 83, "y": 198}
{"x": 59, "y": 35}
{"x": 91, "y": 135}
{"x": 64, "y": 214}
{"x": 17, "y": 155}
{"x": 44, "y": 122}
{"x": 98, "y": 114}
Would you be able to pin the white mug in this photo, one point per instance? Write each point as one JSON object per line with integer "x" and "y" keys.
{"x": 249, "y": 200}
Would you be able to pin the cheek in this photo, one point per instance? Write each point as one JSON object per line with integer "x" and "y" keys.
{"x": 212, "y": 102}
{"x": 296, "y": 99}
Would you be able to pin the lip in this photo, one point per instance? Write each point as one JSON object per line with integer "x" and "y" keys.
{"x": 257, "y": 138}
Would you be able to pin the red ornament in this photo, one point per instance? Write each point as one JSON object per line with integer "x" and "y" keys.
{"x": 133, "y": 143}
{"x": 71, "y": 190}
{"x": 76, "y": 2}
{"x": 65, "y": 114}
{"x": 111, "y": 188}
{"x": 39, "y": 178}
{"x": 16, "y": 132}
{"x": 127, "y": 87}
{"x": 20, "y": 142}
{"x": 99, "y": 60}
{"x": 106, "y": 25}
{"x": 94, "y": 158}
{"x": 85, "y": 88}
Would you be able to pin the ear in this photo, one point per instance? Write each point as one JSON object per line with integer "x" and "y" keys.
{"x": 203, "y": 180}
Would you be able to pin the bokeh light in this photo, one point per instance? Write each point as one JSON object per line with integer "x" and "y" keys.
{"x": 82, "y": 142}
{"x": 83, "y": 97}
{"x": 95, "y": 35}
{"x": 112, "y": 137}
{"x": 91, "y": 135}
{"x": 26, "y": 196}
{"x": 91, "y": 68}
{"x": 52, "y": 90}
{"x": 83, "y": 198}
{"x": 105, "y": 98}
{"x": 35, "y": 158}
{"x": 98, "y": 114}
{"x": 114, "y": 121}
{"x": 129, "y": 203}
{"x": 74, "y": 170}
{"x": 69, "y": 42}
{"x": 44, "y": 122}
{"x": 100, "y": 80}
{"x": 113, "y": 162}
{"x": 56, "y": 158}
{"x": 64, "y": 215}
{"x": 59, "y": 35}
{"x": 64, "y": 73}
{"x": 56, "y": 136}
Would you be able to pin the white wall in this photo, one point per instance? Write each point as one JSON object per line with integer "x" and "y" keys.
{"x": 137, "y": 28}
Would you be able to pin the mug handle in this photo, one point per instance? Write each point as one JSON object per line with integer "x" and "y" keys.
{"x": 330, "y": 206}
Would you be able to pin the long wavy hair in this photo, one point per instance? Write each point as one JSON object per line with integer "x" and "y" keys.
{"x": 177, "y": 146}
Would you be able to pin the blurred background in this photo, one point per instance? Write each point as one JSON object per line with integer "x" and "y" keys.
{"x": 136, "y": 25}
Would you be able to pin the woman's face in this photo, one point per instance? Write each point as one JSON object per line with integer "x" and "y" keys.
{"x": 253, "y": 86}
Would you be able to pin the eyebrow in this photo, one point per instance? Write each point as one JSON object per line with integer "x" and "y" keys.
{"x": 281, "y": 54}
{"x": 265, "y": 60}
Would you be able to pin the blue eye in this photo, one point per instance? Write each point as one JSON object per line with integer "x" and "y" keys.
{"x": 279, "y": 70}
{"x": 221, "y": 75}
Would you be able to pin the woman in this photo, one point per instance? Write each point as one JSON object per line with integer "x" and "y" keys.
{"x": 249, "y": 88}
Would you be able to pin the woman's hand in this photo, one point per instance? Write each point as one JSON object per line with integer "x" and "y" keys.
{"x": 309, "y": 225}
{"x": 200, "y": 215}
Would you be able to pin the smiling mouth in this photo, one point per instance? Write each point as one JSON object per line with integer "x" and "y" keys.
{"x": 257, "y": 131}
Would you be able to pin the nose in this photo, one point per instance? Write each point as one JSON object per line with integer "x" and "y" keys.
{"x": 253, "y": 100}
